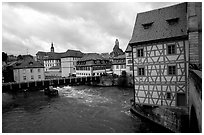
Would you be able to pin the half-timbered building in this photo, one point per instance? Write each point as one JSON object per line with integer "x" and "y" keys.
{"x": 159, "y": 46}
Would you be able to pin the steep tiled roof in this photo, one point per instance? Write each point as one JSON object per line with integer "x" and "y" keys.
{"x": 41, "y": 53}
{"x": 158, "y": 22}
{"x": 28, "y": 63}
{"x": 72, "y": 53}
{"x": 53, "y": 56}
{"x": 128, "y": 49}
{"x": 91, "y": 56}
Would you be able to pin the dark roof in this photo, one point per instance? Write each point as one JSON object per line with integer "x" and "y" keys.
{"x": 92, "y": 56}
{"x": 53, "y": 56}
{"x": 128, "y": 49}
{"x": 157, "y": 21}
{"x": 72, "y": 53}
{"x": 119, "y": 60}
{"x": 28, "y": 63}
{"x": 41, "y": 53}
{"x": 105, "y": 55}
{"x": 120, "y": 57}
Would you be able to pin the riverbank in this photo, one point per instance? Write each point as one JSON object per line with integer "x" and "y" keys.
{"x": 171, "y": 119}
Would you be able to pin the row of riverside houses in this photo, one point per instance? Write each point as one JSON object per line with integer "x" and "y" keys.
{"x": 76, "y": 63}
{"x": 70, "y": 63}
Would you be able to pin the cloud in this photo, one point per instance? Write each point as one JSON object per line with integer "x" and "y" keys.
{"x": 89, "y": 27}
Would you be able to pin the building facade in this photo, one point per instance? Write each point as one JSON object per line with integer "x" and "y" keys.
{"x": 68, "y": 62}
{"x": 51, "y": 61}
{"x": 92, "y": 64}
{"x": 128, "y": 56}
{"x": 28, "y": 70}
{"x": 119, "y": 64}
{"x": 160, "y": 56}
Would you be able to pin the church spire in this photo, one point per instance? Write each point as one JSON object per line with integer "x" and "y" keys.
{"x": 52, "y": 47}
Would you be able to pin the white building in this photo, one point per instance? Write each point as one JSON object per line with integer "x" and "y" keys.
{"x": 92, "y": 64}
{"x": 119, "y": 64}
{"x": 128, "y": 55}
{"x": 28, "y": 70}
{"x": 68, "y": 62}
{"x": 51, "y": 61}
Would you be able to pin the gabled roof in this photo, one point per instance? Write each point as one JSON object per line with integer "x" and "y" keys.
{"x": 72, "y": 53}
{"x": 154, "y": 25}
{"x": 128, "y": 49}
{"x": 91, "y": 56}
{"x": 28, "y": 63}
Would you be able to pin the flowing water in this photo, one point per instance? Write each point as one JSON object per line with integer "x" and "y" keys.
{"x": 77, "y": 109}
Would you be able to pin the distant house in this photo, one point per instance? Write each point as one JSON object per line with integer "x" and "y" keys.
{"x": 92, "y": 64}
{"x": 119, "y": 64}
{"x": 160, "y": 49}
{"x": 128, "y": 55}
{"x": 68, "y": 62}
{"x": 28, "y": 70}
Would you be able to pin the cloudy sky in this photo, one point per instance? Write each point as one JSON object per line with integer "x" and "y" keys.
{"x": 89, "y": 27}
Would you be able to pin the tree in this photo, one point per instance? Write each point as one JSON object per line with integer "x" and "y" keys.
{"x": 4, "y": 56}
{"x": 19, "y": 57}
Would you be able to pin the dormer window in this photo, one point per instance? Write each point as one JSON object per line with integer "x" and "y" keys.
{"x": 172, "y": 21}
{"x": 30, "y": 63}
{"x": 147, "y": 25}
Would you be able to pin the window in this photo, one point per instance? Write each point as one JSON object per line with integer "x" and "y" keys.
{"x": 130, "y": 68}
{"x": 31, "y": 70}
{"x": 24, "y": 71}
{"x": 129, "y": 54}
{"x": 141, "y": 71}
{"x": 39, "y": 76}
{"x": 129, "y": 61}
{"x": 171, "y": 49}
{"x": 168, "y": 95}
{"x": 38, "y": 69}
{"x": 140, "y": 52}
{"x": 32, "y": 77}
{"x": 171, "y": 70}
{"x": 147, "y": 25}
{"x": 117, "y": 66}
{"x": 173, "y": 21}
{"x": 24, "y": 77}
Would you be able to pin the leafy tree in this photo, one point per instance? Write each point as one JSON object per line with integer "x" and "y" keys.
{"x": 19, "y": 57}
{"x": 4, "y": 56}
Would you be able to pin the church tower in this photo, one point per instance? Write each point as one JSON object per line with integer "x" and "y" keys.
{"x": 116, "y": 50}
{"x": 52, "y": 48}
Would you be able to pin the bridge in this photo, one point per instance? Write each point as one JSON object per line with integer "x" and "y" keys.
{"x": 195, "y": 101}
{"x": 39, "y": 85}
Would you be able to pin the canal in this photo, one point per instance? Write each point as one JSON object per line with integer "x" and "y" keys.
{"x": 77, "y": 109}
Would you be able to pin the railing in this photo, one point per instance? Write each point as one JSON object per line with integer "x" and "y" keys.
{"x": 37, "y": 85}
